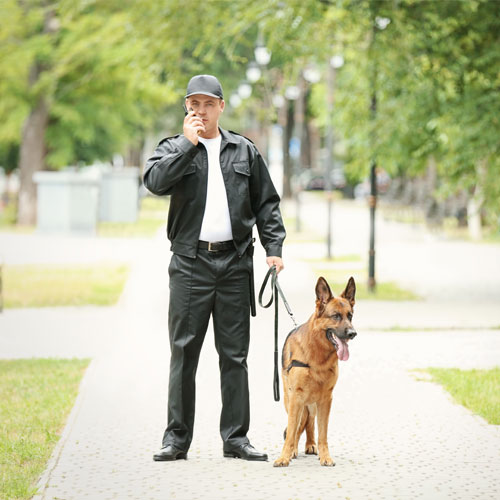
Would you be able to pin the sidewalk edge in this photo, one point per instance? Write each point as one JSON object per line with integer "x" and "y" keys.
{"x": 44, "y": 480}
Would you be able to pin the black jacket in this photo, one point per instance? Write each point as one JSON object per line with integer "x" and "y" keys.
{"x": 180, "y": 169}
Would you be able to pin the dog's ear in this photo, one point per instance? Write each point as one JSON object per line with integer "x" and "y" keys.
{"x": 350, "y": 291}
{"x": 323, "y": 294}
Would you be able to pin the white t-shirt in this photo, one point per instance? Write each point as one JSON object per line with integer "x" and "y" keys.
{"x": 216, "y": 225}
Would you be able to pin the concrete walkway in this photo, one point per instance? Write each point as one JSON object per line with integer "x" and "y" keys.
{"x": 391, "y": 434}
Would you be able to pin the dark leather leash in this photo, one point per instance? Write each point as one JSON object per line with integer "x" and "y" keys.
{"x": 275, "y": 290}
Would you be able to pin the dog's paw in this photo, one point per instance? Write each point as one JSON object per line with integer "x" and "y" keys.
{"x": 326, "y": 461}
{"x": 281, "y": 462}
{"x": 311, "y": 449}
{"x": 295, "y": 453}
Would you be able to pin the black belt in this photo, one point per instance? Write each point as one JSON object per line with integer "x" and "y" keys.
{"x": 216, "y": 246}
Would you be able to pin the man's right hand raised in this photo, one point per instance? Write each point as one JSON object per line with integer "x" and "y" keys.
{"x": 193, "y": 126}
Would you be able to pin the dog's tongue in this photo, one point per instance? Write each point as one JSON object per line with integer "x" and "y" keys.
{"x": 343, "y": 349}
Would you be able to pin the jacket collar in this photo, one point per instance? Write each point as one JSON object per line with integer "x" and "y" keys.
{"x": 227, "y": 137}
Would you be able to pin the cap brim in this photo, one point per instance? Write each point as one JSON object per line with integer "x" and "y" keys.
{"x": 202, "y": 93}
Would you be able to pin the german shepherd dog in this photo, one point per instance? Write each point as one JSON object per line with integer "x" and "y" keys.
{"x": 310, "y": 370}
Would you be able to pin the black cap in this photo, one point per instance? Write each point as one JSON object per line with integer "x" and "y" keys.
{"x": 206, "y": 85}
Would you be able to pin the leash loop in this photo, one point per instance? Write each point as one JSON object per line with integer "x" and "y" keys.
{"x": 275, "y": 286}
{"x": 275, "y": 291}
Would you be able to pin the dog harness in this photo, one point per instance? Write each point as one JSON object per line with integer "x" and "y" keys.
{"x": 298, "y": 364}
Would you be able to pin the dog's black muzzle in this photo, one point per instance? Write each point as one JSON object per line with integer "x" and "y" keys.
{"x": 346, "y": 334}
{"x": 350, "y": 333}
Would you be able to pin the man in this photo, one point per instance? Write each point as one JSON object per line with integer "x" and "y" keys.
{"x": 220, "y": 188}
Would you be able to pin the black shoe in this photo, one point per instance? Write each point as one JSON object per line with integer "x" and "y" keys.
{"x": 169, "y": 453}
{"x": 246, "y": 452}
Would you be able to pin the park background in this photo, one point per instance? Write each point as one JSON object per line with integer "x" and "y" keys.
{"x": 380, "y": 124}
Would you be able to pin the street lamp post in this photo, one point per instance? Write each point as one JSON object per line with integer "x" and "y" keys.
{"x": 372, "y": 199}
{"x": 291, "y": 149}
{"x": 255, "y": 71}
{"x": 334, "y": 63}
{"x": 262, "y": 53}
{"x": 244, "y": 90}
{"x": 291, "y": 95}
{"x": 310, "y": 75}
{"x": 378, "y": 23}
{"x": 372, "y": 203}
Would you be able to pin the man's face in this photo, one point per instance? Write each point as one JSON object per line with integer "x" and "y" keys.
{"x": 208, "y": 109}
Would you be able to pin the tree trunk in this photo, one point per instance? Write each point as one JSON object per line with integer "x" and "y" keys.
{"x": 31, "y": 159}
{"x": 134, "y": 154}
{"x": 33, "y": 150}
{"x": 432, "y": 209}
{"x": 305, "y": 137}
{"x": 475, "y": 204}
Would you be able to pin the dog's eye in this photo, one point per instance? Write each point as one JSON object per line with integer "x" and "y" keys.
{"x": 349, "y": 316}
{"x": 337, "y": 317}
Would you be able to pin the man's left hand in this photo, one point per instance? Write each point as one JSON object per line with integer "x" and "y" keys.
{"x": 275, "y": 261}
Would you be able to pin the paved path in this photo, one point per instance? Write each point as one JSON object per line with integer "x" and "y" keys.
{"x": 391, "y": 435}
{"x": 436, "y": 267}
{"x": 35, "y": 248}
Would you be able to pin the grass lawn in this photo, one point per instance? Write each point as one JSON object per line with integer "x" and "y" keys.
{"x": 337, "y": 279}
{"x": 36, "y": 397}
{"x": 477, "y": 390}
{"x": 8, "y": 216}
{"x": 338, "y": 270}
{"x": 152, "y": 215}
{"x": 8, "y": 213}
{"x": 52, "y": 286}
{"x": 305, "y": 235}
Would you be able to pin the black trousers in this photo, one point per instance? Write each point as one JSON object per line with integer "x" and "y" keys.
{"x": 214, "y": 284}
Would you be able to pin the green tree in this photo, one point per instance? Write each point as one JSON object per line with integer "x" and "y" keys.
{"x": 78, "y": 82}
{"x": 434, "y": 71}
{"x": 82, "y": 80}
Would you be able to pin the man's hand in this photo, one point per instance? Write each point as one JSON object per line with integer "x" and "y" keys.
{"x": 275, "y": 261}
{"x": 193, "y": 125}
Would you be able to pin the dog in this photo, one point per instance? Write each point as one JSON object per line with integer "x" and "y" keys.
{"x": 310, "y": 370}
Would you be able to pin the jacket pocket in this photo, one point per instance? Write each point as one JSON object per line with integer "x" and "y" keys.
{"x": 242, "y": 178}
{"x": 242, "y": 167}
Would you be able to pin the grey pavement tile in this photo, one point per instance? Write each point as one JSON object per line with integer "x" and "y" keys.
{"x": 392, "y": 436}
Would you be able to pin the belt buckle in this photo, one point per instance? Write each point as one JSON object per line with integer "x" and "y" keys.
{"x": 210, "y": 247}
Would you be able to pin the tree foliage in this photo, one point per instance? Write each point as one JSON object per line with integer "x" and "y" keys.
{"x": 435, "y": 72}
{"x": 97, "y": 76}
{"x": 111, "y": 70}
